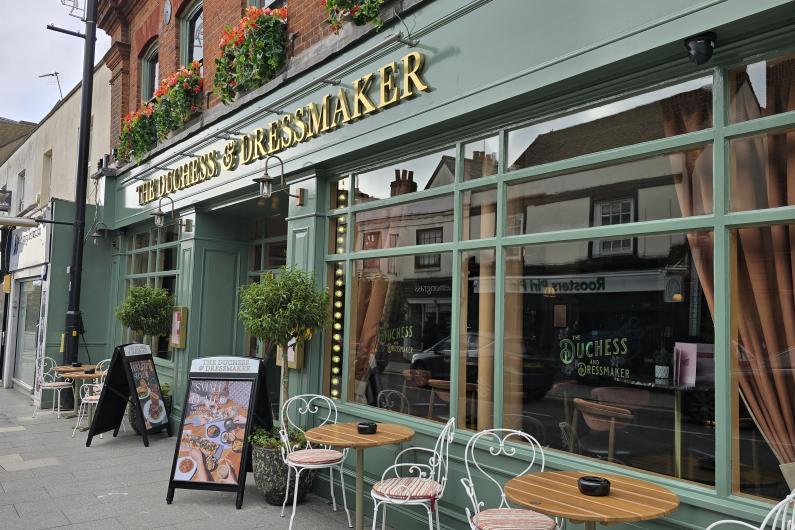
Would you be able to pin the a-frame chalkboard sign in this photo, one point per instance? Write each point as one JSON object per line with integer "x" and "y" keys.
{"x": 225, "y": 399}
{"x": 131, "y": 377}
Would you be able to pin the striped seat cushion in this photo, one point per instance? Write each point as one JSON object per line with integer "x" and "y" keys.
{"x": 408, "y": 488}
{"x": 314, "y": 457}
{"x": 56, "y": 384}
{"x": 511, "y": 519}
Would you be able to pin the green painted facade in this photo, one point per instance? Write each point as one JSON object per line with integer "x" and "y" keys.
{"x": 491, "y": 65}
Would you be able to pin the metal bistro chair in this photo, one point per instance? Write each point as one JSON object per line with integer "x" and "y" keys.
{"x": 781, "y": 517}
{"x": 425, "y": 483}
{"x": 293, "y": 411}
{"x": 89, "y": 395}
{"x": 493, "y": 441}
{"x": 48, "y": 380}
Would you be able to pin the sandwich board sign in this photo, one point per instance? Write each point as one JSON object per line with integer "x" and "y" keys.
{"x": 225, "y": 399}
{"x": 131, "y": 377}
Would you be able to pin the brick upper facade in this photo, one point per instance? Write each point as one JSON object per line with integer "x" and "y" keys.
{"x": 135, "y": 24}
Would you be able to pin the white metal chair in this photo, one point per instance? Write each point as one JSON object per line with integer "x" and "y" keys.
{"x": 781, "y": 517}
{"x": 89, "y": 397}
{"x": 493, "y": 444}
{"x": 49, "y": 379}
{"x": 295, "y": 414}
{"x": 420, "y": 484}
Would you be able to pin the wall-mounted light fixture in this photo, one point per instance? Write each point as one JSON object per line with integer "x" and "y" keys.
{"x": 159, "y": 215}
{"x": 100, "y": 232}
{"x": 266, "y": 183}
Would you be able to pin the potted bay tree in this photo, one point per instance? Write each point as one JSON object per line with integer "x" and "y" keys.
{"x": 147, "y": 312}
{"x": 282, "y": 306}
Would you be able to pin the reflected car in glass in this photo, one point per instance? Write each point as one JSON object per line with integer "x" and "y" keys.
{"x": 538, "y": 372}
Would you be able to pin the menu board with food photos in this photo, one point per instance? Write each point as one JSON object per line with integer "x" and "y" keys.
{"x": 226, "y": 397}
{"x": 131, "y": 378}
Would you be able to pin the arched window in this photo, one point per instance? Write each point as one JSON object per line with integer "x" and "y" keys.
{"x": 150, "y": 71}
{"x": 192, "y": 34}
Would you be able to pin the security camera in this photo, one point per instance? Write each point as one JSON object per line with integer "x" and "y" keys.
{"x": 701, "y": 46}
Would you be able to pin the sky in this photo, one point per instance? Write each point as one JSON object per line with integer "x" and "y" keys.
{"x": 28, "y": 49}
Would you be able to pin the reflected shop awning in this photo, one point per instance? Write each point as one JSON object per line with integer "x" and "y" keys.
{"x": 610, "y": 282}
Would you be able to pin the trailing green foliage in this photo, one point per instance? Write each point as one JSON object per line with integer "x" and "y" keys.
{"x": 147, "y": 310}
{"x": 359, "y": 11}
{"x": 269, "y": 439}
{"x": 251, "y": 52}
{"x": 138, "y": 134}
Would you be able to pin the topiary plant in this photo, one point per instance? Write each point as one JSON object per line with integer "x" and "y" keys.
{"x": 147, "y": 311}
{"x": 283, "y": 306}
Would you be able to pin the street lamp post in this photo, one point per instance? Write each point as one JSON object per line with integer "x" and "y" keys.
{"x": 74, "y": 324}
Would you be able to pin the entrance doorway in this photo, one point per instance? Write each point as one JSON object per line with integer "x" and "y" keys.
{"x": 29, "y": 313}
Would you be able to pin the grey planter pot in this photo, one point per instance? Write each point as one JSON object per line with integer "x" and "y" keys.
{"x": 270, "y": 476}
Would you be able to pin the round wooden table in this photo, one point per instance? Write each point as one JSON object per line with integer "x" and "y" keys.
{"x": 555, "y": 493}
{"x": 67, "y": 368}
{"x": 346, "y": 435}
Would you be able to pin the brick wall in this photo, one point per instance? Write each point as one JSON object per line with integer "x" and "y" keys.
{"x": 134, "y": 24}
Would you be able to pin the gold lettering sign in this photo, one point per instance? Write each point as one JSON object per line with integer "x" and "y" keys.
{"x": 392, "y": 83}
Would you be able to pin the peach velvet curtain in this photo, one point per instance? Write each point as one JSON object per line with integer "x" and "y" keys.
{"x": 762, "y": 176}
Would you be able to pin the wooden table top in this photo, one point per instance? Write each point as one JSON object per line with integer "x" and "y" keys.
{"x": 555, "y": 493}
{"x": 346, "y": 435}
{"x": 82, "y": 375}
{"x": 69, "y": 368}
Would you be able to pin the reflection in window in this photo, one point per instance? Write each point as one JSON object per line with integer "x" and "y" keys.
{"x": 196, "y": 37}
{"x": 429, "y": 236}
{"x": 613, "y": 358}
{"x": 762, "y": 344}
{"x": 416, "y": 223}
{"x": 481, "y": 158}
{"x": 677, "y": 184}
{"x": 612, "y": 213}
{"x": 400, "y": 337}
{"x": 422, "y": 173}
{"x": 670, "y": 111}
{"x": 761, "y": 169}
{"x": 762, "y": 89}
{"x": 479, "y": 214}
{"x": 150, "y": 74}
{"x": 476, "y": 340}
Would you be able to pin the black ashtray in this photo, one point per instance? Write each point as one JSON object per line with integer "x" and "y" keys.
{"x": 77, "y": 365}
{"x": 90, "y": 371}
{"x": 594, "y": 486}
{"x": 367, "y": 427}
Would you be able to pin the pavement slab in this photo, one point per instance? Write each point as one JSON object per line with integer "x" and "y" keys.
{"x": 50, "y": 480}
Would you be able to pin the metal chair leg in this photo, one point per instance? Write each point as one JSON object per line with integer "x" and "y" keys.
{"x": 331, "y": 482}
{"x": 430, "y": 517}
{"x": 344, "y": 496}
{"x": 286, "y": 489}
{"x": 295, "y": 495}
{"x": 436, "y": 512}
{"x": 383, "y": 518}
{"x": 375, "y": 512}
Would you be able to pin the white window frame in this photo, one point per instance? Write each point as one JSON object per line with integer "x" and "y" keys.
{"x": 597, "y": 250}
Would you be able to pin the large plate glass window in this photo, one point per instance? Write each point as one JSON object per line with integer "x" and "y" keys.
{"x": 676, "y": 184}
{"x": 613, "y": 357}
{"x": 670, "y": 111}
{"x": 399, "y": 343}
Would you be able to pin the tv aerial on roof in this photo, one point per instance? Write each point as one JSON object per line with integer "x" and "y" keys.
{"x": 77, "y": 8}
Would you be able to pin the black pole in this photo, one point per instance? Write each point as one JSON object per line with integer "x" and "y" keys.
{"x": 74, "y": 326}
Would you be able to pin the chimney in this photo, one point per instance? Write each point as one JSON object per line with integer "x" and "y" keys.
{"x": 403, "y": 183}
